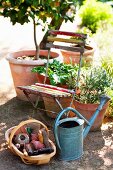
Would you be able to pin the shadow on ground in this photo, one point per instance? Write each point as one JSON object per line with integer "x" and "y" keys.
{"x": 98, "y": 146}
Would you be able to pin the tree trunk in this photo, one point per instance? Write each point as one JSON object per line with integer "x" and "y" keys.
{"x": 35, "y": 41}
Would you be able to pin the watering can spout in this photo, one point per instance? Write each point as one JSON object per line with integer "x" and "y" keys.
{"x": 103, "y": 100}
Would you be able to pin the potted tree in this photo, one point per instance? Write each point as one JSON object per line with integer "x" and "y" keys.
{"x": 20, "y": 11}
{"x": 93, "y": 83}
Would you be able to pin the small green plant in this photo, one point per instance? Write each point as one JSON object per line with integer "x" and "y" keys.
{"x": 107, "y": 64}
{"x": 59, "y": 73}
{"x": 94, "y": 82}
{"x": 94, "y": 13}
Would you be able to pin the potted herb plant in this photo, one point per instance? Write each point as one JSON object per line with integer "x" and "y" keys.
{"x": 20, "y": 11}
{"x": 61, "y": 75}
{"x": 93, "y": 83}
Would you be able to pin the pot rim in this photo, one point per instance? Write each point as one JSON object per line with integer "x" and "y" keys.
{"x": 89, "y": 51}
{"x": 88, "y": 105}
{"x": 12, "y": 57}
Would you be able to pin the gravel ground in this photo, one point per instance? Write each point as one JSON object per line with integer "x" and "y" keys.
{"x": 98, "y": 146}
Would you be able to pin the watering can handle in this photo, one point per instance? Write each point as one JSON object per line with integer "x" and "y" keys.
{"x": 56, "y": 124}
{"x": 67, "y": 110}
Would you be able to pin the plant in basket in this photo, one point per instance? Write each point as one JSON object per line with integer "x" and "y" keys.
{"x": 33, "y": 144}
{"x": 94, "y": 82}
{"x": 47, "y": 14}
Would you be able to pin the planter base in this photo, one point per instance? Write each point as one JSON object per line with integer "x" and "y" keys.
{"x": 87, "y": 110}
{"x": 51, "y": 105}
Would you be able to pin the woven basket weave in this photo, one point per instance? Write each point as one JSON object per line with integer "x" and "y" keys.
{"x": 38, "y": 159}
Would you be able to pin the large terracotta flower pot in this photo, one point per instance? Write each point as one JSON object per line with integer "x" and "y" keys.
{"x": 87, "y": 110}
{"x": 74, "y": 57}
{"x": 21, "y": 69}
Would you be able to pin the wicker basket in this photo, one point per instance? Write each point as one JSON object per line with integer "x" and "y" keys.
{"x": 38, "y": 159}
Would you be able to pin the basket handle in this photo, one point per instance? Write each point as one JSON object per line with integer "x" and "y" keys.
{"x": 25, "y": 161}
{"x": 21, "y": 124}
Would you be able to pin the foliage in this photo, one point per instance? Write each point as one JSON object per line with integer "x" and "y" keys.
{"x": 104, "y": 0}
{"x": 87, "y": 31}
{"x": 94, "y": 82}
{"x": 110, "y": 108}
{"x": 59, "y": 73}
{"x": 107, "y": 63}
{"x": 94, "y": 13}
{"x": 84, "y": 30}
{"x": 82, "y": 1}
{"x": 104, "y": 41}
{"x": 20, "y": 11}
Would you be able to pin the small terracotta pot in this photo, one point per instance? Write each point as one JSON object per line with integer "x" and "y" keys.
{"x": 74, "y": 57}
{"x": 87, "y": 110}
{"x": 51, "y": 105}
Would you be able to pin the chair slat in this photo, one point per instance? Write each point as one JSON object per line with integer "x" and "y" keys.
{"x": 33, "y": 89}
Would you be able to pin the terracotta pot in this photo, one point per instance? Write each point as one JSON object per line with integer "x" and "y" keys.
{"x": 87, "y": 110}
{"x": 41, "y": 78}
{"x": 51, "y": 105}
{"x": 74, "y": 57}
{"x": 21, "y": 69}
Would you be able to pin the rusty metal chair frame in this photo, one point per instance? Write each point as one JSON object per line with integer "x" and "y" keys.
{"x": 48, "y": 90}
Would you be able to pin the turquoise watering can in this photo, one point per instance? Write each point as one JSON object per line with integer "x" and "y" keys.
{"x": 70, "y": 132}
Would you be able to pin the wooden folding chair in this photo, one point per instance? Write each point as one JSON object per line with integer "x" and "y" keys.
{"x": 49, "y": 91}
